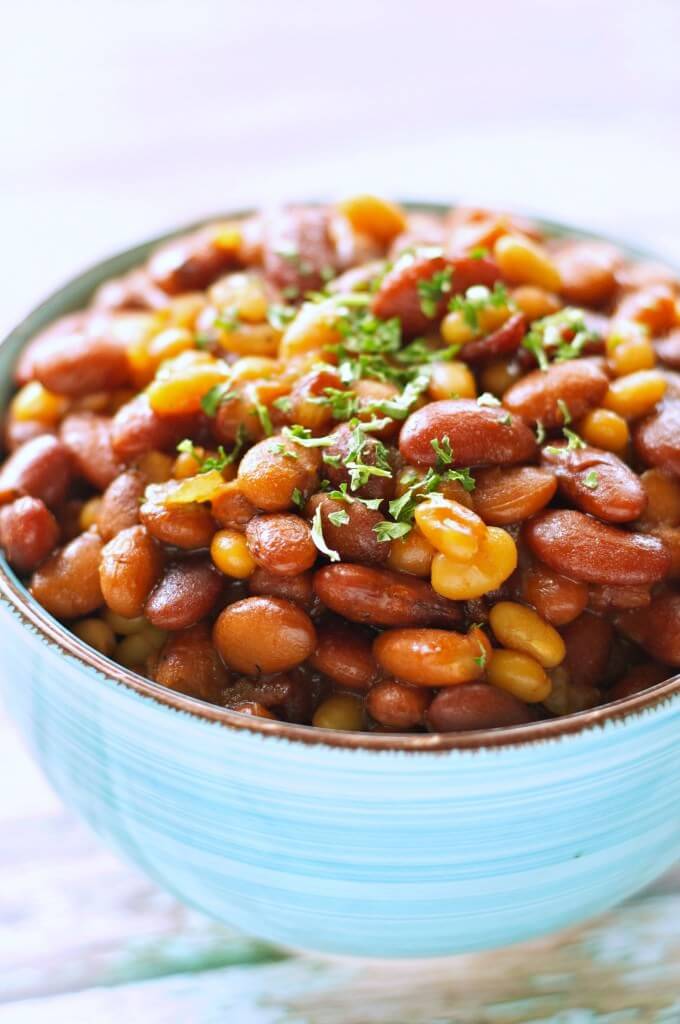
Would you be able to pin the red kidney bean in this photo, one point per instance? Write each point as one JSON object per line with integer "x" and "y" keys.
{"x": 379, "y": 597}
{"x": 264, "y": 635}
{"x": 652, "y": 305}
{"x": 191, "y": 263}
{"x": 501, "y": 342}
{"x": 603, "y": 599}
{"x": 291, "y": 695}
{"x": 80, "y": 363}
{"x": 137, "y": 429}
{"x": 67, "y": 584}
{"x": 656, "y": 628}
{"x": 251, "y": 707}
{"x": 585, "y": 549}
{"x": 657, "y": 437}
{"x": 597, "y": 482}
{"x": 398, "y": 294}
{"x": 556, "y": 598}
{"x": 269, "y": 478}
{"x": 668, "y": 348}
{"x": 73, "y": 323}
{"x": 120, "y": 504}
{"x": 344, "y": 653}
{"x": 188, "y": 591}
{"x": 337, "y": 472}
{"x": 398, "y": 705}
{"x": 130, "y": 565}
{"x": 188, "y": 526}
{"x": 299, "y": 248}
{"x": 18, "y": 432}
{"x": 281, "y": 543}
{"x": 28, "y": 533}
{"x": 588, "y": 272}
{"x": 189, "y": 663}
{"x": 588, "y": 640}
{"x": 299, "y": 589}
{"x": 473, "y": 706}
{"x": 541, "y": 396}
{"x": 670, "y": 538}
{"x": 88, "y": 438}
{"x": 41, "y": 468}
{"x": 637, "y": 679}
{"x": 478, "y": 435}
{"x": 232, "y": 509}
{"x": 134, "y": 292}
{"x": 504, "y": 496}
{"x": 432, "y": 657}
{"x": 355, "y": 540}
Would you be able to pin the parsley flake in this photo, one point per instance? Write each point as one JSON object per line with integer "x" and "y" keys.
{"x": 432, "y": 290}
{"x": 339, "y": 518}
{"x": 591, "y": 480}
{"x": 387, "y": 531}
{"x": 318, "y": 537}
{"x": 443, "y": 450}
{"x": 214, "y": 398}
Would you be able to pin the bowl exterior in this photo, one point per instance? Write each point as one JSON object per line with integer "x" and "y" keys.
{"x": 372, "y": 853}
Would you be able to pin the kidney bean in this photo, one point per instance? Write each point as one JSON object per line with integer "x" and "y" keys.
{"x": 28, "y": 533}
{"x": 597, "y": 482}
{"x": 305, "y": 407}
{"x": 132, "y": 293}
{"x": 652, "y": 305}
{"x": 189, "y": 663}
{"x": 603, "y": 598}
{"x": 398, "y": 294}
{"x": 478, "y": 435}
{"x": 18, "y": 432}
{"x": 299, "y": 589}
{"x": 41, "y": 468}
{"x": 356, "y": 539}
{"x": 79, "y": 363}
{"x": 501, "y": 342}
{"x": 338, "y": 474}
{"x": 120, "y": 504}
{"x": 130, "y": 565}
{"x": 657, "y": 437}
{"x": 72, "y": 323}
{"x": 637, "y": 679}
{"x": 252, "y": 707}
{"x": 344, "y": 654}
{"x": 379, "y": 597}
{"x": 281, "y": 543}
{"x": 432, "y": 657}
{"x": 588, "y": 272}
{"x": 137, "y": 429}
{"x": 291, "y": 695}
{"x": 191, "y": 263}
{"x": 398, "y": 705}
{"x": 540, "y": 396}
{"x": 670, "y": 538}
{"x": 187, "y": 592}
{"x": 475, "y": 706}
{"x": 588, "y": 640}
{"x": 88, "y": 438}
{"x": 656, "y": 628}
{"x": 232, "y": 509}
{"x": 268, "y": 476}
{"x": 585, "y": 549}
{"x": 67, "y": 584}
{"x": 264, "y": 635}
{"x": 239, "y": 413}
{"x": 503, "y": 496}
{"x": 668, "y": 348}
{"x": 299, "y": 247}
{"x": 186, "y": 526}
{"x": 555, "y": 597}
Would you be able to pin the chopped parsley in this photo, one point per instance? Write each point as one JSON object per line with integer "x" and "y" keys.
{"x": 297, "y": 497}
{"x": 399, "y": 407}
{"x": 339, "y": 518}
{"x": 280, "y": 315}
{"x": 442, "y": 450}
{"x": 303, "y": 436}
{"x": 564, "y": 409}
{"x": 361, "y": 471}
{"x": 540, "y": 432}
{"x": 574, "y": 442}
{"x": 480, "y": 252}
{"x": 214, "y": 398}
{"x": 486, "y": 398}
{"x": 318, "y": 537}
{"x": 265, "y": 419}
{"x": 205, "y": 465}
{"x": 477, "y": 298}
{"x": 391, "y": 531}
{"x": 228, "y": 320}
{"x": 288, "y": 453}
{"x": 420, "y": 352}
{"x": 591, "y": 480}
{"x": 402, "y": 509}
{"x": 431, "y": 291}
{"x": 560, "y": 336}
{"x": 284, "y": 403}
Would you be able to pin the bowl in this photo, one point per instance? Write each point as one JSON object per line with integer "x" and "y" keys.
{"x": 362, "y": 844}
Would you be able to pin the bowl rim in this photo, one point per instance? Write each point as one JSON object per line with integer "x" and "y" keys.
{"x": 69, "y": 297}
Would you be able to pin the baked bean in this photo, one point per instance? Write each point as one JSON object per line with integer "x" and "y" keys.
{"x": 668, "y": 348}
{"x": 291, "y": 695}
{"x": 412, "y": 554}
{"x": 264, "y": 635}
{"x": 186, "y": 526}
{"x": 505, "y": 340}
{"x": 28, "y": 533}
{"x": 397, "y": 705}
{"x": 64, "y": 326}
{"x": 268, "y": 476}
{"x": 637, "y": 679}
{"x": 523, "y": 261}
{"x": 130, "y": 565}
{"x": 493, "y": 564}
{"x": 120, "y": 504}
{"x": 478, "y": 435}
{"x": 597, "y": 482}
{"x": 605, "y": 429}
{"x": 299, "y": 589}
{"x": 77, "y": 364}
{"x": 88, "y": 438}
{"x": 652, "y": 305}
{"x": 299, "y": 248}
{"x": 451, "y": 528}
{"x": 568, "y": 695}
{"x": 231, "y": 508}
{"x": 340, "y": 711}
{"x": 670, "y": 538}
{"x": 556, "y": 598}
{"x": 192, "y": 263}
{"x": 635, "y": 394}
{"x": 252, "y": 707}
{"x": 588, "y": 640}
{"x": 475, "y": 706}
{"x": 337, "y": 455}
{"x": 379, "y": 597}
{"x": 503, "y": 496}
{"x": 67, "y": 584}
{"x": 344, "y": 654}
{"x": 17, "y": 432}
{"x": 602, "y": 599}
{"x": 230, "y": 553}
{"x": 281, "y": 543}
{"x": 663, "y": 498}
{"x": 432, "y": 657}
{"x": 585, "y": 549}
{"x": 656, "y": 628}
{"x": 370, "y": 215}
{"x": 187, "y": 592}
{"x": 519, "y": 674}
{"x": 452, "y": 379}
{"x": 305, "y": 407}
{"x": 535, "y": 302}
{"x": 41, "y": 468}
{"x": 97, "y": 633}
{"x": 657, "y": 438}
{"x": 521, "y": 629}
{"x": 353, "y": 535}
{"x": 588, "y": 272}
{"x": 189, "y": 663}
{"x": 137, "y": 429}
{"x": 541, "y": 396}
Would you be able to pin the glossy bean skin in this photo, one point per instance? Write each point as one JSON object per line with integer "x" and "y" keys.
{"x": 130, "y": 565}
{"x": 637, "y": 679}
{"x": 556, "y": 598}
{"x": 42, "y": 468}
{"x": 268, "y": 477}
{"x": 63, "y": 327}
{"x": 290, "y": 695}
{"x": 299, "y": 589}
{"x": 588, "y": 640}
{"x": 501, "y": 342}
{"x": 88, "y": 438}
{"x": 668, "y": 348}
{"x": 189, "y": 663}
{"x": 281, "y": 543}
{"x": 190, "y": 264}
{"x": 263, "y": 635}
{"x": 120, "y": 504}
{"x": 478, "y": 435}
{"x": 338, "y": 474}
{"x": 232, "y": 509}
{"x": 657, "y": 438}
{"x": 137, "y": 429}
{"x": 77, "y": 364}
{"x": 504, "y": 496}
{"x": 254, "y": 708}
{"x": 585, "y": 549}
{"x": 588, "y": 272}
{"x": 67, "y": 584}
{"x": 28, "y": 533}
{"x": 656, "y": 628}
{"x": 432, "y": 657}
{"x": 188, "y": 526}
{"x": 597, "y": 482}
{"x": 475, "y": 706}
{"x": 18, "y": 432}
{"x": 398, "y": 705}
{"x": 380, "y": 597}
{"x": 537, "y": 397}
{"x": 355, "y": 540}
{"x": 188, "y": 591}
{"x": 344, "y": 653}
{"x": 305, "y": 231}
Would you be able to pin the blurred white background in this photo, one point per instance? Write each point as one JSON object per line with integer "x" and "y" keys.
{"x": 122, "y": 119}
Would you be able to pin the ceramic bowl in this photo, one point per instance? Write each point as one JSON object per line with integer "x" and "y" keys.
{"x": 372, "y": 845}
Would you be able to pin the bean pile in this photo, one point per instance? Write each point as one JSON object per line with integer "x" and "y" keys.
{"x": 362, "y": 468}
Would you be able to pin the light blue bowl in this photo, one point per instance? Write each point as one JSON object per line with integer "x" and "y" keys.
{"x": 373, "y": 845}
